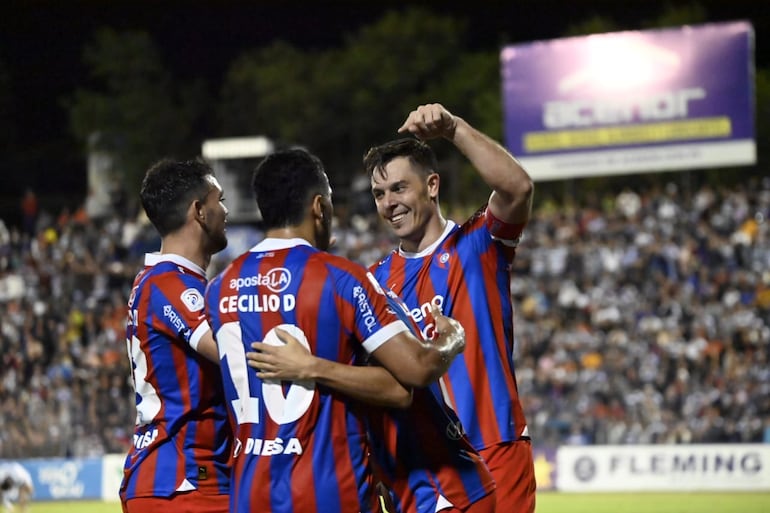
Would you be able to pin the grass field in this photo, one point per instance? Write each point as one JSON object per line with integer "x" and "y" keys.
{"x": 555, "y": 503}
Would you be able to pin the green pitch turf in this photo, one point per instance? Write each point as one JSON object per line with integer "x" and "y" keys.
{"x": 75, "y": 507}
{"x": 552, "y": 502}
{"x": 696, "y": 502}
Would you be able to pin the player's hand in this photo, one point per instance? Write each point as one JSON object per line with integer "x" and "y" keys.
{"x": 451, "y": 334}
{"x": 289, "y": 362}
{"x": 429, "y": 122}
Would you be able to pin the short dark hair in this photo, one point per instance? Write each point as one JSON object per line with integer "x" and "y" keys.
{"x": 418, "y": 153}
{"x": 283, "y": 184}
{"x": 168, "y": 188}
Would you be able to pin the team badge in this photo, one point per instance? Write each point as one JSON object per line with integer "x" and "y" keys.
{"x": 192, "y": 299}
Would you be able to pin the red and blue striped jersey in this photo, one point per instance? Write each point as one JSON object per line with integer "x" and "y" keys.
{"x": 467, "y": 274}
{"x": 182, "y": 439}
{"x": 300, "y": 446}
{"x": 421, "y": 452}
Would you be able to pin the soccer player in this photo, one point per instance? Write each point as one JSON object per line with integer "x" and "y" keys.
{"x": 301, "y": 446}
{"x": 182, "y": 442}
{"x": 15, "y": 486}
{"x": 427, "y": 464}
{"x": 465, "y": 271}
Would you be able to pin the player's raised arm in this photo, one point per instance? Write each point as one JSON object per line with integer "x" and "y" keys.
{"x": 512, "y": 187}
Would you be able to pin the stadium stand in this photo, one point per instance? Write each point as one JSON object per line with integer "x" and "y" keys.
{"x": 641, "y": 317}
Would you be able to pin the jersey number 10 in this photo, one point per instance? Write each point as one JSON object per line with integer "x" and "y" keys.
{"x": 281, "y": 408}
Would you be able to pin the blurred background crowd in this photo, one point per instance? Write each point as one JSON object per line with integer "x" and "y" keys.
{"x": 642, "y": 316}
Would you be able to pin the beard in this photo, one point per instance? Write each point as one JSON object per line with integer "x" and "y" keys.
{"x": 323, "y": 234}
{"x": 219, "y": 243}
{"x": 217, "y": 240}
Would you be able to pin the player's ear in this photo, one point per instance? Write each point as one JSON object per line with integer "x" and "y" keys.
{"x": 198, "y": 211}
{"x": 432, "y": 182}
{"x": 318, "y": 207}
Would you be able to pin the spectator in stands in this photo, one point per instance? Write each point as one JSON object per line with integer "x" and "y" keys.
{"x": 29, "y": 211}
{"x": 685, "y": 310}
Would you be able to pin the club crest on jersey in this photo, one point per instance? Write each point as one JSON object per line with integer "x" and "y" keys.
{"x": 444, "y": 258}
{"x": 192, "y": 299}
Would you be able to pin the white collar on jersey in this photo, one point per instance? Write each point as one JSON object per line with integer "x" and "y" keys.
{"x": 273, "y": 244}
{"x": 430, "y": 249}
{"x": 151, "y": 259}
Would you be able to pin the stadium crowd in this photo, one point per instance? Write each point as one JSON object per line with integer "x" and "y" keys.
{"x": 641, "y": 317}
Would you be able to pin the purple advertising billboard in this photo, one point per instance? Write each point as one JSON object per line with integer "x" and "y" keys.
{"x": 630, "y": 102}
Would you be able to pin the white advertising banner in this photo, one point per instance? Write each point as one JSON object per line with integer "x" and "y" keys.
{"x": 112, "y": 475}
{"x": 620, "y": 468}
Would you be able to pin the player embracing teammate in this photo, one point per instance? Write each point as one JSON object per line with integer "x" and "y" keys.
{"x": 425, "y": 338}
{"x": 465, "y": 271}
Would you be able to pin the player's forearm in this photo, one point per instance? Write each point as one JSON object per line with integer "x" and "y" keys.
{"x": 372, "y": 385}
{"x": 512, "y": 186}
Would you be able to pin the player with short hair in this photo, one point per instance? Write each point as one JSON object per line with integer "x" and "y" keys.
{"x": 432, "y": 463}
{"x": 182, "y": 441}
{"x": 301, "y": 446}
{"x": 465, "y": 271}
{"x": 424, "y": 458}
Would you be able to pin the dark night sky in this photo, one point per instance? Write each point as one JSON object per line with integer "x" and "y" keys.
{"x": 41, "y": 45}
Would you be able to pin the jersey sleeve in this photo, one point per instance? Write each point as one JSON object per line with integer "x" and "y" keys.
{"x": 182, "y": 314}
{"x": 374, "y": 322}
{"x": 507, "y": 233}
{"x": 483, "y": 230}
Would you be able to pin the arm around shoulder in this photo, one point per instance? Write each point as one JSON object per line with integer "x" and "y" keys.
{"x": 292, "y": 361}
